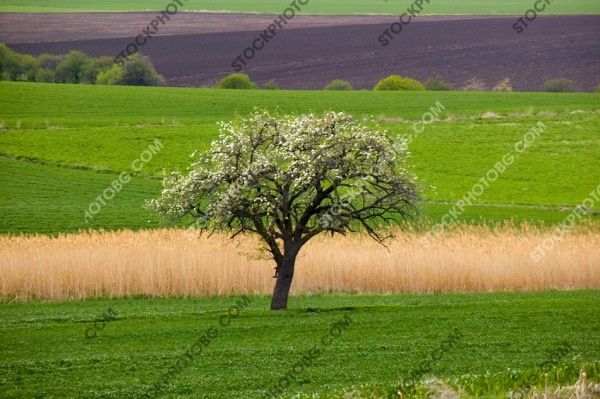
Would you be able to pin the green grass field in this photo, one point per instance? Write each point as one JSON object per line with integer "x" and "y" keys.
{"x": 46, "y": 355}
{"x": 441, "y": 7}
{"x": 61, "y": 145}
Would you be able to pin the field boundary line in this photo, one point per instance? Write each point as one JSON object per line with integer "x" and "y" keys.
{"x": 66, "y": 165}
{"x": 559, "y": 208}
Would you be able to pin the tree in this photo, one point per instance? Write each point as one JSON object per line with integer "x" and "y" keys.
{"x": 28, "y": 68}
{"x": 46, "y": 65}
{"x": 288, "y": 179}
{"x": 9, "y": 63}
{"x": 112, "y": 76}
{"x": 14, "y": 66}
{"x": 139, "y": 71}
{"x": 134, "y": 71}
{"x": 95, "y": 67}
{"x": 72, "y": 68}
{"x": 49, "y": 61}
{"x": 44, "y": 75}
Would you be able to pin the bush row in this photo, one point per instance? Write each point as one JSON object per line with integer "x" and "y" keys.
{"x": 396, "y": 82}
{"x": 77, "y": 67}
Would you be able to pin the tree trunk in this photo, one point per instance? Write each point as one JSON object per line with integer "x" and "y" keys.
{"x": 285, "y": 273}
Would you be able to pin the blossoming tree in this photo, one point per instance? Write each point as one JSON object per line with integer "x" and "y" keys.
{"x": 288, "y": 179}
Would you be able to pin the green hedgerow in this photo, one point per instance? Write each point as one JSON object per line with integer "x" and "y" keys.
{"x": 236, "y": 81}
{"x": 396, "y": 82}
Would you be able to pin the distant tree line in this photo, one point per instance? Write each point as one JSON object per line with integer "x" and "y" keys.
{"x": 396, "y": 82}
{"x": 77, "y": 67}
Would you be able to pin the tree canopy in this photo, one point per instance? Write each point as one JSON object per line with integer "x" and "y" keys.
{"x": 289, "y": 178}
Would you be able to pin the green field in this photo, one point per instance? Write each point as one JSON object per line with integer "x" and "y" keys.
{"x": 441, "y": 7}
{"x": 45, "y": 354}
{"x": 61, "y": 145}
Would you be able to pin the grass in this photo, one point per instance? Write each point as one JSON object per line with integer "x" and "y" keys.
{"x": 173, "y": 263}
{"x": 473, "y": 7}
{"x": 46, "y": 354}
{"x": 41, "y": 198}
{"x": 81, "y": 137}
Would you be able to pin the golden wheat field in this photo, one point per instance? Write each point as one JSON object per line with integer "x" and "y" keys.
{"x": 166, "y": 263}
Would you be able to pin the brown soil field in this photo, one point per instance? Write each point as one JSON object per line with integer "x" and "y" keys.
{"x": 309, "y": 57}
{"x": 33, "y": 28}
{"x": 166, "y": 263}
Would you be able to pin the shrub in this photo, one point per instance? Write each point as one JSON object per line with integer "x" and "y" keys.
{"x": 45, "y": 75}
{"x": 504, "y": 85}
{"x": 49, "y": 61}
{"x": 338, "y": 84}
{"x": 436, "y": 83}
{"x": 475, "y": 84}
{"x": 236, "y": 81}
{"x": 271, "y": 85}
{"x": 45, "y": 66}
{"x": 139, "y": 71}
{"x": 95, "y": 67}
{"x": 27, "y": 68}
{"x": 14, "y": 66}
{"x": 395, "y": 82}
{"x": 9, "y": 63}
{"x": 598, "y": 88}
{"x": 77, "y": 67}
{"x": 112, "y": 76}
{"x": 72, "y": 67}
{"x": 560, "y": 85}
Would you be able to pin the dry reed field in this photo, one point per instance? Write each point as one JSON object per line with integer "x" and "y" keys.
{"x": 167, "y": 263}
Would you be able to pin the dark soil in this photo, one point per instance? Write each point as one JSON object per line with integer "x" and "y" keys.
{"x": 458, "y": 50}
